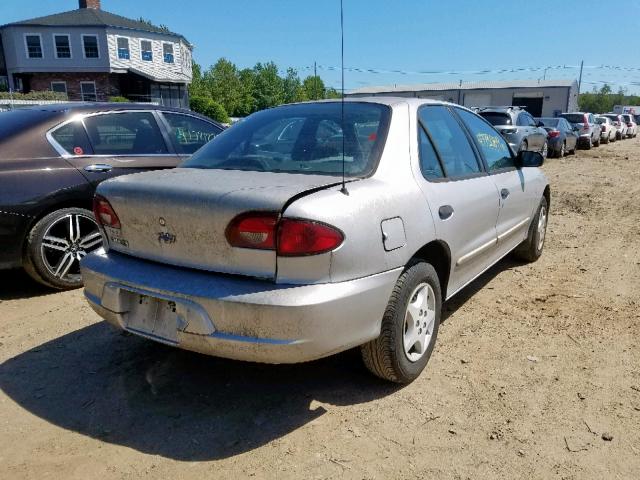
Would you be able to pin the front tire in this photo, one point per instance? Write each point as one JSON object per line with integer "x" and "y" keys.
{"x": 56, "y": 244}
{"x": 531, "y": 249}
{"x": 409, "y": 326}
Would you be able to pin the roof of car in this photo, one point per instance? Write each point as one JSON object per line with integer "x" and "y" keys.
{"x": 101, "y": 106}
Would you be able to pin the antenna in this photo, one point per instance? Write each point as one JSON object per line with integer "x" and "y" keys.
{"x": 344, "y": 186}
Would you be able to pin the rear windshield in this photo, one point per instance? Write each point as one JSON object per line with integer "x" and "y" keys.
{"x": 627, "y": 117}
{"x": 612, "y": 117}
{"x": 601, "y": 120}
{"x": 574, "y": 117}
{"x": 549, "y": 122}
{"x": 16, "y": 121}
{"x": 495, "y": 118}
{"x": 303, "y": 138}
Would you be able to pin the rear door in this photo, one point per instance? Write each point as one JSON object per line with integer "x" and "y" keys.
{"x": 110, "y": 144}
{"x": 516, "y": 194}
{"x": 462, "y": 197}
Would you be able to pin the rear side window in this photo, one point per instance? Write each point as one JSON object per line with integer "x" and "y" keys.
{"x": 128, "y": 133}
{"x": 494, "y": 149}
{"x": 450, "y": 141}
{"x": 189, "y": 133}
{"x": 429, "y": 164}
{"x": 302, "y": 138}
{"x": 73, "y": 139}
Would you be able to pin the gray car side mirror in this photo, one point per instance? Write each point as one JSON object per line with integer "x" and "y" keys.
{"x": 527, "y": 158}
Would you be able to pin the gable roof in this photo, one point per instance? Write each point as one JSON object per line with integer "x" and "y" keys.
{"x": 91, "y": 17}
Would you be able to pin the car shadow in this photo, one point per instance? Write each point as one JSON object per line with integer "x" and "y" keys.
{"x": 16, "y": 284}
{"x": 163, "y": 401}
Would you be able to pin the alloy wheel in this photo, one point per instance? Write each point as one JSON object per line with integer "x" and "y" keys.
{"x": 542, "y": 227}
{"x": 419, "y": 322}
{"x": 66, "y": 242}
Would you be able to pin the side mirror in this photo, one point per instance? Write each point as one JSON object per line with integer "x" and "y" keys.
{"x": 527, "y": 158}
{"x": 576, "y": 129}
{"x": 539, "y": 124}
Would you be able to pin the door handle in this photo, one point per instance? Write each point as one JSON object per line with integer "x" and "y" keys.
{"x": 504, "y": 193}
{"x": 445, "y": 211}
{"x": 98, "y": 167}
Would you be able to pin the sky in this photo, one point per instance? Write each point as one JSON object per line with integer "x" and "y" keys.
{"x": 399, "y": 41}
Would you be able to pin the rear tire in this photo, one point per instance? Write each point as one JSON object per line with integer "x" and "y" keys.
{"x": 531, "y": 249}
{"x": 55, "y": 245}
{"x": 398, "y": 355}
{"x": 597, "y": 143}
{"x": 606, "y": 140}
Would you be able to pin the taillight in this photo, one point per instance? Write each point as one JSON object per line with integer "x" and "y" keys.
{"x": 289, "y": 237}
{"x": 104, "y": 212}
{"x": 629, "y": 124}
{"x": 253, "y": 230}
{"x": 554, "y": 134}
{"x": 304, "y": 237}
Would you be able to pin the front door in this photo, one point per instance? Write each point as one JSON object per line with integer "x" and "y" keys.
{"x": 462, "y": 197}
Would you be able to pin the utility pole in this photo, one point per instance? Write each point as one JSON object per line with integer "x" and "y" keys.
{"x": 580, "y": 78}
{"x": 315, "y": 81}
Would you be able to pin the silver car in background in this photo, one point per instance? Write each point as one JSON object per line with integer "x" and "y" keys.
{"x": 255, "y": 249}
{"x": 586, "y": 126}
{"x": 518, "y": 127}
{"x": 608, "y": 130}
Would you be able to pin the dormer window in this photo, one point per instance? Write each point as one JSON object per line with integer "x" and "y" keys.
{"x": 167, "y": 51}
{"x": 146, "y": 51}
{"x": 90, "y": 43}
{"x": 33, "y": 44}
{"x": 123, "y": 48}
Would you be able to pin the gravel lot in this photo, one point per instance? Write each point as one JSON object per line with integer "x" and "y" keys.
{"x": 536, "y": 375}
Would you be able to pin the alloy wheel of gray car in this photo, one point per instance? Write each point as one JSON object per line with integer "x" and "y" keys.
{"x": 56, "y": 245}
{"x": 563, "y": 150}
{"x": 409, "y": 326}
{"x": 545, "y": 150}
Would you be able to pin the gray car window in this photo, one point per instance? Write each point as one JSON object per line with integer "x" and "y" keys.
{"x": 522, "y": 120}
{"x": 189, "y": 133}
{"x": 450, "y": 141}
{"x": 493, "y": 147}
{"x": 429, "y": 164}
{"x": 129, "y": 133}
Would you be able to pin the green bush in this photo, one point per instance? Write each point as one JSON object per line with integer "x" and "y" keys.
{"x": 210, "y": 108}
{"x": 119, "y": 99}
{"x": 44, "y": 95}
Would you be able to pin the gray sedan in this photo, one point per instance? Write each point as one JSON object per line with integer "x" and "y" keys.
{"x": 257, "y": 249}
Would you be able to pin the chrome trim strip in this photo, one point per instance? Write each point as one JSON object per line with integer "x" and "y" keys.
{"x": 465, "y": 258}
{"x": 513, "y": 229}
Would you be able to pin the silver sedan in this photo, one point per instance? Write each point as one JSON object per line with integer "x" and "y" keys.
{"x": 313, "y": 228}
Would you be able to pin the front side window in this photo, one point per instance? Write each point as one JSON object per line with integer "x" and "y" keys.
{"x": 63, "y": 46}
{"x": 88, "y": 91}
{"x": 123, "y": 48}
{"x": 146, "y": 51}
{"x": 167, "y": 51}
{"x": 189, "y": 133}
{"x": 493, "y": 147}
{"x": 303, "y": 138}
{"x": 34, "y": 46}
{"x": 128, "y": 133}
{"x": 450, "y": 141}
{"x": 90, "y": 44}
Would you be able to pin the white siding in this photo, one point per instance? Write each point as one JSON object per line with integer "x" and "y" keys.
{"x": 179, "y": 71}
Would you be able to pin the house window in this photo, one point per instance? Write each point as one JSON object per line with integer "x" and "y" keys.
{"x": 63, "y": 46}
{"x": 59, "y": 87}
{"x": 123, "y": 48}
{"x": 88, "y": 91}
{"x": 33, "y": 43}
{"x": 146, "y": 51}
{"x": 167, "y": 51}
{"x": 90, "y": 43}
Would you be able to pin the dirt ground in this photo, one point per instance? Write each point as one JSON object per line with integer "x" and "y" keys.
{"x": 535, "y": 367}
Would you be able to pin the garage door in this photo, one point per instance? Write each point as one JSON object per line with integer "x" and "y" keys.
{"x": 477, "y": 99}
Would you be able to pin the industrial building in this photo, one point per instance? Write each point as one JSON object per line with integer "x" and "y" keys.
{"x": 546, "y": 98}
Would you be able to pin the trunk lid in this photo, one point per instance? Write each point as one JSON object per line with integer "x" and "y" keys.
{"x": 180, "y": 216}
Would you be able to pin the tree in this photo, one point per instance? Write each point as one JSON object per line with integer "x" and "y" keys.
{"x": 313, "y": 87}
{"x": 293, "y": 91}
{"x": 269, "y": 87}
{"x": 198, "y": 87}
{"x": 224, "y": 83}
{"x": 210, "y": 108}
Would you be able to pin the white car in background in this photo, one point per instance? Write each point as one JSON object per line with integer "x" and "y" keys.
{"x": 619, "y": 123}
{"x": 609, "y": 130}
{"x": 632, "y": 126}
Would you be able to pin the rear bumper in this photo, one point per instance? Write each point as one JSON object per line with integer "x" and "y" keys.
{"x": 235, "y": 317}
